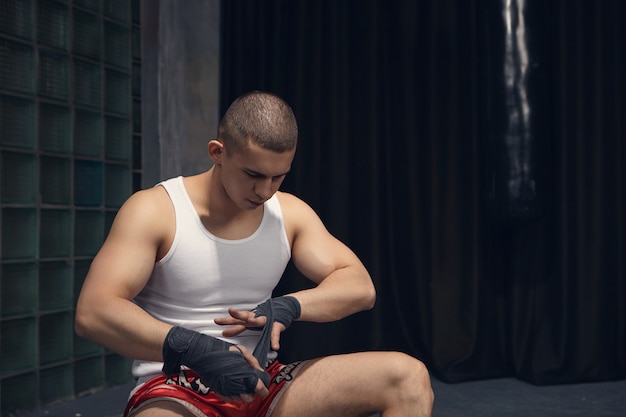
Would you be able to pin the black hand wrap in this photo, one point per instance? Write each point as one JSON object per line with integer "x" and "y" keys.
{"x": 225, "y": 372}
{"x": 281, "y": 309}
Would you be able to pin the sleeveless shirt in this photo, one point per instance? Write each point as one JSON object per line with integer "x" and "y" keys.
{"x": 202, "y": 275}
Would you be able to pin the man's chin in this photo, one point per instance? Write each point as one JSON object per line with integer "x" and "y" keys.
{"x": 251, "y": 205}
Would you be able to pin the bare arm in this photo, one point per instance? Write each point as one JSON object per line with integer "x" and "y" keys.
{"x": 105, "y": 312}
{"x": 343, "y": 286}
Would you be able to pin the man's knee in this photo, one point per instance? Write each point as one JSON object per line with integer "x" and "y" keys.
{"x": 411, "y": 379}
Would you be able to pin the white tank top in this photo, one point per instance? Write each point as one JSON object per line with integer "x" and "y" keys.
{"x": 202, "y": 275}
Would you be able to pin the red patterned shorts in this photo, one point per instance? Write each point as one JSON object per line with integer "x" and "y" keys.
{"x": 187, "y": 390}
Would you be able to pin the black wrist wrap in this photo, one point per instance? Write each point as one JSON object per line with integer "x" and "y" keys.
{"x": 226, "y": 372}
{"x": 281, "y": 309}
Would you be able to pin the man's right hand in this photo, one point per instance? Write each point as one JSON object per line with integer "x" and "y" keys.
{"x": 229, "y": 370}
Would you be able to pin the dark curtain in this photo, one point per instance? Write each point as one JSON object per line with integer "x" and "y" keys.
{"x": 412, "y": 152}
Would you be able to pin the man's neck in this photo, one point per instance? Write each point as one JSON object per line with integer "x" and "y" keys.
{"x": 219, "y": 214}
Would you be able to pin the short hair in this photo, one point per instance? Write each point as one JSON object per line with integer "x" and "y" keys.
{"x": 262, "y": 117}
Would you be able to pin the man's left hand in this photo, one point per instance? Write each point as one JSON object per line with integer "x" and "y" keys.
{"x": 240, "y": 320}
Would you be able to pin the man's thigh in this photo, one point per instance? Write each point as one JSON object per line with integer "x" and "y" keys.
{"x": 342, "y": 385}
{"x": 164, "y": 408}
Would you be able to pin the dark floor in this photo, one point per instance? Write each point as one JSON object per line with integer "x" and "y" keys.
{"x": 490, "y": 398}
{"x": 514, "y": 398}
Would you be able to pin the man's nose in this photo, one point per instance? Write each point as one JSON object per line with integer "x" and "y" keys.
{"x": 263, "y": 188}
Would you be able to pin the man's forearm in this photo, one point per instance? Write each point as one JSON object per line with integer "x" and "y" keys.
{"x": 344, "y": 292}
{"x": 123, "y": 327}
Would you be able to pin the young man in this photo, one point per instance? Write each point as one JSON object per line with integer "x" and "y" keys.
{"x": 183, "y": 282}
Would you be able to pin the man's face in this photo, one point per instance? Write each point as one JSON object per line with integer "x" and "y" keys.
{"x": 251, "y": 176}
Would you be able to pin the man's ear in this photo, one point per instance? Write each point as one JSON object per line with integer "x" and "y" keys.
{"x": 216, "y": 150}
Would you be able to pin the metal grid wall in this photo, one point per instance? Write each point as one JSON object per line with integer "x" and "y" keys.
{"x": 70, "y": 142}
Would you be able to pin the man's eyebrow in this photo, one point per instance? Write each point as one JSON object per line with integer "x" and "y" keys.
{"x": 260, "y": 174}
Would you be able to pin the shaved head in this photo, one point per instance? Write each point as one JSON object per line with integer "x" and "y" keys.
{"x": 261, "y": 117}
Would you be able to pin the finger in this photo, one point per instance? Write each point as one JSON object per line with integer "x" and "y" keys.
{"x": 236, "y": 317}
{"x": 242, "y": 315}
{"x": 237, "y": 348}
{"x": 248, "y": 398}
{"x": 261, "y": 389}
{"x": 226, "y": 321}
{"x": 247, "y": 317}
{"x": 252, "y": 361}
{"x": 277, "y": 329}
{"x": 233, "y": 330}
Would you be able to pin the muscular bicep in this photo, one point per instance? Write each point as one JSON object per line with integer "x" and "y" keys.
{"x": 316, "y": 253}
{"x": 121, "y": 268}
{"x": 125, "y": 261}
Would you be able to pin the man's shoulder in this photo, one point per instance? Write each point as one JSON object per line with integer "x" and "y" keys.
{"x": 295, "y": 210}
{"x": 289, "y": 201}
{"x": 148, "y": 204}
{"x": 152, "y": 195}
